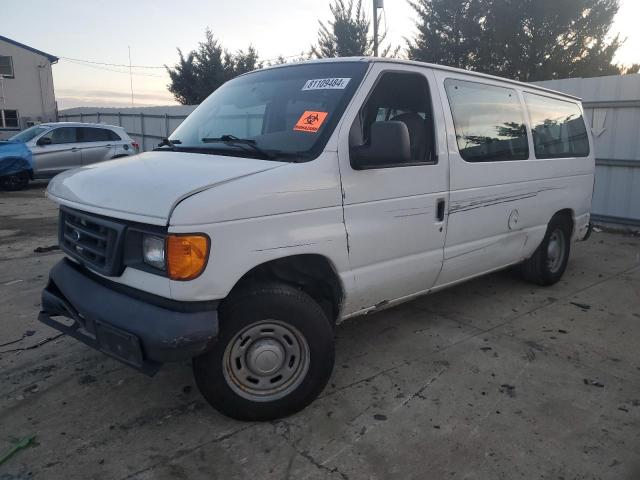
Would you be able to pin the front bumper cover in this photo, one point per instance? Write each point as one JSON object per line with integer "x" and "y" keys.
{"x": 137, "y": 328}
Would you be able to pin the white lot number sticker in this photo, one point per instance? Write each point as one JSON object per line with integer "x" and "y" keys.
{"x": 326, "y": 84}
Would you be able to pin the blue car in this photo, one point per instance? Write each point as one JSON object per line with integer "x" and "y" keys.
{"x": 16, "y": 165}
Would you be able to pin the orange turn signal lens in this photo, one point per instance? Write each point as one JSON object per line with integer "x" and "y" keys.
{"x": 187, "y": 256}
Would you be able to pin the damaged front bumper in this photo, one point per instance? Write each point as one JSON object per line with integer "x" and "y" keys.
{"x": 137, "y": 328}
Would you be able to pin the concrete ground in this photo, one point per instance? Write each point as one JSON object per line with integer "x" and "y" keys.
{"x": 493, "y": 379}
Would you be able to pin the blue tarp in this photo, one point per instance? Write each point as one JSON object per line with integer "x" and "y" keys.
{"x": 15, "y": 157}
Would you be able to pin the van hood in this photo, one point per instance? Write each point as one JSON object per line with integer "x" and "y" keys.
{"x": 149, "y": 185}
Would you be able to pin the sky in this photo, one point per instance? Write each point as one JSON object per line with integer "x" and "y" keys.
{"x": 101, "y": 31}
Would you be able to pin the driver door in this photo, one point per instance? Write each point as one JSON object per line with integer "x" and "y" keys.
{"x": 56, "y": 151}
{"x": 395, "y": 214}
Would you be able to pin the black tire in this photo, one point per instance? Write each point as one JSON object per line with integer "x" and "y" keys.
{"x": 291, "y": 308}
{"x": 15, "y": 182}
{"x": 543, "y": 268}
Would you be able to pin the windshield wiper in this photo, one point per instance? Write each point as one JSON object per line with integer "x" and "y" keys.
{"x": 233, "y": 140}
{"x": 168, "y": 143}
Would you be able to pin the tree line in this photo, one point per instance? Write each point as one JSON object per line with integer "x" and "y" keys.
{"x": 526, "y": 40}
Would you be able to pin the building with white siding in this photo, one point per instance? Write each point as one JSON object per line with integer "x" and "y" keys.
{"x": 27, "y": 96}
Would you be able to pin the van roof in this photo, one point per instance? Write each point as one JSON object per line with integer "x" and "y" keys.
{"x": 430, "y": 65}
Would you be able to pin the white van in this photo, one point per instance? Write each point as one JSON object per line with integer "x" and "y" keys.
{"x": 300, "y": 195}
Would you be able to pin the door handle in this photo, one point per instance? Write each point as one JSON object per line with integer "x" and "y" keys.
{"x": 440, "y": 210}
{"x": 107, "y": 146}
{"x": 75, "y": 149}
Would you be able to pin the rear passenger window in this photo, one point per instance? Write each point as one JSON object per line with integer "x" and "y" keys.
{"x": 95, "y": 134}
{"x": 488, "y": 120}
{"x": 558, "y": 127}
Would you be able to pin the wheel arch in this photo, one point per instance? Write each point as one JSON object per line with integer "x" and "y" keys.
{"x": 569, "y": 215}
{"x": 11, "y": 159}
{"x": 314, "y": 274}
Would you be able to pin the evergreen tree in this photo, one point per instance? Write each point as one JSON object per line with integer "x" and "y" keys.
{"x": 543, "y": 39}
{"x": 449, "y": 32}
{"x": 527, "y": 40}
{"x": 347, "y": 35}
{"x": 630, "y": 69}
{"x": 205, "y": 69}
{"x": 183, "y": 79}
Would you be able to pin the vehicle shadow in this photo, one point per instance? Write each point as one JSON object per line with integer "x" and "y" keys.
{"x": 34, "y": 185}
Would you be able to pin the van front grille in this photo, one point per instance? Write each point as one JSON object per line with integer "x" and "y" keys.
{"x": 92, "y": 240}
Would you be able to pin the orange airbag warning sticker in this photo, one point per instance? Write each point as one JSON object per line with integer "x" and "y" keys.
{"x": 310, "y": 121}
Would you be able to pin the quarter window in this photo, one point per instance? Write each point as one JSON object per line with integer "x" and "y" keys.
{"x": 558, "y": 127}
{"x": 113, "y": 135}
{"x": 6, "y": 67}
{"x": 9, "y": 119}
{"x": 488, "y": 120}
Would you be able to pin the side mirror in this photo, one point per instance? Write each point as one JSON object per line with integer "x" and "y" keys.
{"x": 389, "y": 145}
{"x": 43, "y": 141}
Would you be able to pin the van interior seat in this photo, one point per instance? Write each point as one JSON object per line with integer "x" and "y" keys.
{"x": 420, "y": 134}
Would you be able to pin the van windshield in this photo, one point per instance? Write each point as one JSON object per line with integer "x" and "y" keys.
{"x": 288, "y": 113}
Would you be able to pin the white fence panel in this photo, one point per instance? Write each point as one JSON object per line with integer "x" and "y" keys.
{"x": 612, "y": 108}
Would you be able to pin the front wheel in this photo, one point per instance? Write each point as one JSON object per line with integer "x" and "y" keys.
{"x": 17, "y": 181}
{"x": 548, "y": 263}
{"x": 274, "y": 355}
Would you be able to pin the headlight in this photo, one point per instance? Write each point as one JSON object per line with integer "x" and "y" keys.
{"x": 183, "y": 257}
{"x": 187, "y": 255}
{"x": 153, "y": 251}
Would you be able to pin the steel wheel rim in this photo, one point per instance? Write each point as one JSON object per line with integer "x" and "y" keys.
{"x": 266, "y": 361}
{"x": 556, "y": 249}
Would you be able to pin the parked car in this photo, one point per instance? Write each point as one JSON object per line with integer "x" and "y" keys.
{"x": 60, "y": 146}
{"x": 16, "y": 165}
{"x": 301, "y": 195}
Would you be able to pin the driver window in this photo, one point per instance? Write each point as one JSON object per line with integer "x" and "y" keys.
{"x": 404, "y": 97}
{"x": 62, "y": 135}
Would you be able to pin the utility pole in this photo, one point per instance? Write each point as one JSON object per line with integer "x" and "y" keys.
{"x": 377, "y": 4}
{"x": 130, "y": 76}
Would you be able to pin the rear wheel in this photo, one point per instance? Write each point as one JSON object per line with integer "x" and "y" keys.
{"x": 547, "y": 265}
{"x": 17, "y": 181}
{"x": 274, "y": 355}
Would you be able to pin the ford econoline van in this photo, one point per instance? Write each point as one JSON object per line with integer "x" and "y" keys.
{"x": 301, "y": 195}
